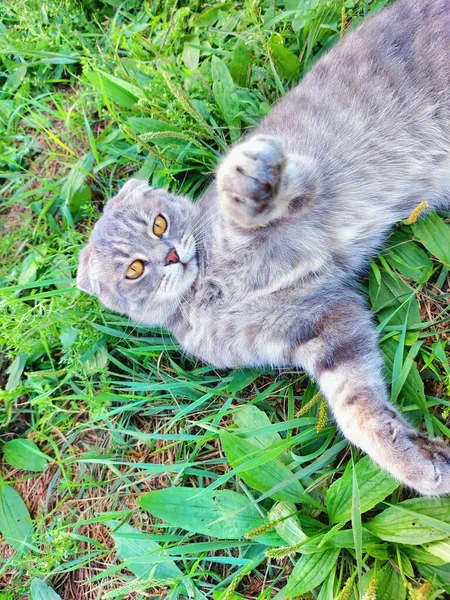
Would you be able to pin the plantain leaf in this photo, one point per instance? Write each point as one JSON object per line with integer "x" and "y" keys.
{"x": 141, "y": 125}
{"x": 287, "y": 63}
{"x": 390, "y": 585}
{"x": 415, "y": 522}
{"x": 405, "y": 255}
{"x": 123, "y": 93}
{"x": 209, "y": 16}
{"x": 240, "y": 64}
{"x": 392, "y": 295}
{"x": 41, "y": 591}
{"x": 310, "y": 571}
{"x": 222, "y": 514}
{"x": 191, "y": 55}
{"x": 289, "y": 529}
{"x": 439, "y": 549}
{"x": 374, "y": 485}
{"x": 435, "y": 236}
{"x": 15, "y": 520}
{"x": 24, "y": 454}
{"x": 144, "y": 557}
{"x": 265, "y": 476}
{"x": 226, "y": 97}
{"x": 250, "y": 417}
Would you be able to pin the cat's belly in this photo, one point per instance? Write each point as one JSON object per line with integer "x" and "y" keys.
{"x": 241, "y": 333}
{"x": 224, "y": 344}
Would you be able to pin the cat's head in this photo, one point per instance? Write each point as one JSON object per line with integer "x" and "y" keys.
{"x": 141, "y": 257}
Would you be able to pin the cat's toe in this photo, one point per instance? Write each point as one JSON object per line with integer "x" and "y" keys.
{"x": 432, "y": 465}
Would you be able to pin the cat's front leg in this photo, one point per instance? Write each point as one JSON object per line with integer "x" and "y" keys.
{"x": 258, "y": 182}
{"x": 344, "y": 359}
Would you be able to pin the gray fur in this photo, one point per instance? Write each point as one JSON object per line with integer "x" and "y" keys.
{"x": 297, "y": 209}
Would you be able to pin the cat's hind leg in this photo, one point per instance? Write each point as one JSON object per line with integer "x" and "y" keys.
{"x": 345, "y": 361}
{"x": 258, "y": 182}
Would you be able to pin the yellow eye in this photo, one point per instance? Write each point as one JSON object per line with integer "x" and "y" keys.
{"x": 135, "y": 270}
{"x": 159, "y": 225}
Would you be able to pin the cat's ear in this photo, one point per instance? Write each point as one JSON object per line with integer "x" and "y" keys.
{"x": 127, "y": 190}
{"x": 84, "y": 270}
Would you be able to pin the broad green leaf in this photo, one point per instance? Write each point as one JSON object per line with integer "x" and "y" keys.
{"x": 289, "y": 529}
{"x": 222, "y": 514}
{"x": 75, "y": 191}
{"x": 209, "y": 16}
{"x": 15, "y": 520}
{"x": 374, "y": 485}
{"x": 241, "y": 379}
{"x": 391, "y": 296}
{"x": 418, "y": 554}
{"x": 265, "y": 476}
{"x": 97, "y": 362}
{"x": 435, "y": 236}
{"x": 240, "y": 64}
{"x": 191, "y": 54}
{"x": 440, "y": 574}
{"x": 396, "y": 525}
{"x": 225, "y": 95}
{"x": 326, "y": 589}
{"x": 413, "y": 389}
{"x": 287, "y": 63}
{"x": 338, "y": 539}
{"x": 80, "y": 170}
{"x": 250, "y": 417}
{"x": 439, "y": 549}
{"x": 24, "y": 454}
{"x": 390, "y": 585}
{"x": 68, "y": 336}
{"x": 80, "y": 198}
{"x": 141, "y": 125}
{"x": 29, "y": 269}
{"x": 141, "y": 554}
{"x": 406, "y": 256}
{"x": 15, "y": 371}
{"x": 41, "y": 591}
{"x": 310, "y": 571}
{"x": 123, "y": 93}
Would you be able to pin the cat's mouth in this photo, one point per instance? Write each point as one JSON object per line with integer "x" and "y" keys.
{"x": 182, "y": 270}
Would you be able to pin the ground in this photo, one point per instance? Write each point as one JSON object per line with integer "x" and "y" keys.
{"x": 107, "y": 428}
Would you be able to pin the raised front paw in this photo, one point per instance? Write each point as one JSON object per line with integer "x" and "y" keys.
{"x": 249, "y": 180}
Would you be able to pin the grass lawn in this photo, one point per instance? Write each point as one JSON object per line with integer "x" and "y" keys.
{"x": 127, "y": 469}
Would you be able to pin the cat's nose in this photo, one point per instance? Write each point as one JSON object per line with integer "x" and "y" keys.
{"x": 172, "y": 257}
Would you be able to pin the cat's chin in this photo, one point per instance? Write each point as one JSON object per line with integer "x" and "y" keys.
{"x": 187, "y": 275}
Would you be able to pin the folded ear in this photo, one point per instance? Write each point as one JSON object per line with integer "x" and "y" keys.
{"x": 128, "y": 189}
{"x": 84, "y": 270}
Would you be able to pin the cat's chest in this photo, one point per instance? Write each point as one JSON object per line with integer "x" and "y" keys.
{"x": 226, "y": 328}
{"x": 214, "y": 325}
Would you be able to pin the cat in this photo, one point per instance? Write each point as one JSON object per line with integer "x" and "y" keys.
{"x": 261, "y": 271}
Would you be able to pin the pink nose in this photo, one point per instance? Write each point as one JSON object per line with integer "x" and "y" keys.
{"x": 172, "y": 257}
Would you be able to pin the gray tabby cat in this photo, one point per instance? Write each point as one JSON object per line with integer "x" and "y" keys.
{"x": 261, "y": 271}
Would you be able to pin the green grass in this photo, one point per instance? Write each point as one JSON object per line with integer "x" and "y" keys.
{"x": 104, "y": 424}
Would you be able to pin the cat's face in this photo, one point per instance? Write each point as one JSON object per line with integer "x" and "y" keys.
{"x": 141, "y": 257}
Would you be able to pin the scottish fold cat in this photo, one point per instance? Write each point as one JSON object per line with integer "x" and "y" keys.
{"x": 261, "y": 270}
